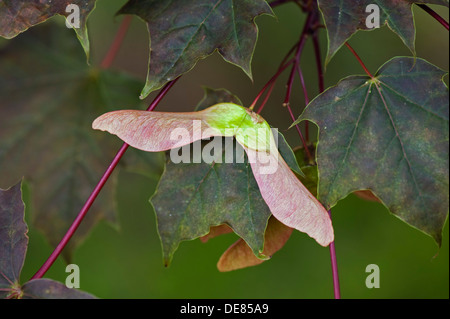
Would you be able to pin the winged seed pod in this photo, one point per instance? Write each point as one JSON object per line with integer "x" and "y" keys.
{"x": 288, "y": 200}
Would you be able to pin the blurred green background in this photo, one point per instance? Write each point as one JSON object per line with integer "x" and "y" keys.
{"x": 128, "y": 263}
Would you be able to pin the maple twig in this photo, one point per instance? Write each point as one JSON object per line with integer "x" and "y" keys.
{"x": 49, "y": 262}
{"x": 296, "y": 64}
{"x": 320, "y": 72}
{"x": 117, "y": 42}
{"x": 334, "y": 268}
{"x": 266, "y": 98}
{"x": 359, "y": 59}
{"x": 434, "y": 14}
{"x": 269, "y": 83}
{"x": 70, "y": 232}
{"x": 303, "y": 84}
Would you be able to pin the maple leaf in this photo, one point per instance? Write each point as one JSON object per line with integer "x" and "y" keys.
{"x": 343, "y": 18}
{"x": 183, "y": 32}
{"x": 19, "y": 15}
{"x": 388, "y": 135}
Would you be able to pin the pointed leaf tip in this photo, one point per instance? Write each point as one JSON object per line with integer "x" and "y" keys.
{"x": 344, "y": 18}
{"x": 20, "y": 15}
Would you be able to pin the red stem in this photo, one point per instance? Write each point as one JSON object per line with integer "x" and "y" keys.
{"x": 334, "y": 268}
{"x": 318, "y": 62}
{"x": 303, "y": 83}
{"x": 432, "y": 13}
{"x": 289, "y": 53}
{"x": 359, "y": 60}
{"x": 266, "y": 98}
{"x": 320, "y": 75}
{"x": 290, "y": 83}
{"x": 305, "y": 93}
{"x": 272, "y": 80}
{"x": 305, "y": 146}
{"x": 115, "y": 46}
{"x": 332, "y": 247}
{"x": 49, "y": 262}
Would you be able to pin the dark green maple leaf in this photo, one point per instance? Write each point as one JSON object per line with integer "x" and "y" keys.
{"x": 50, "y": 289}
{"x": 13, "y": 247}
{"x": 343, "y": 18}
{"x": 13, "y": 239}
{"x": 183, "y": 32}
{"x": 17, "y": 16}
{"x": 49, "y": 97}
{"x": 193, "y": 197}
{"x": 389, "y": 135}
